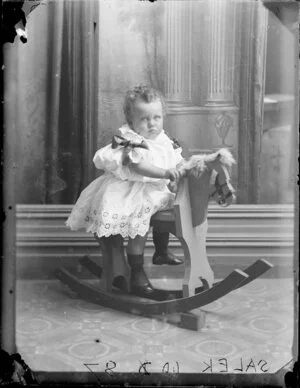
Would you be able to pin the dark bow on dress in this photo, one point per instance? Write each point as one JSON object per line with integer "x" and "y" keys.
{"x": 119, "y": 141}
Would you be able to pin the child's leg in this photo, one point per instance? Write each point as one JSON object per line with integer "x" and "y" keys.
{"x": 136, "y": 245}
{"x": 139, "y": 282}
{"x": 162, "y": 254}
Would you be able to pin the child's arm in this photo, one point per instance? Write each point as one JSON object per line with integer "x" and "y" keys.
{"x": 147, "y": 169}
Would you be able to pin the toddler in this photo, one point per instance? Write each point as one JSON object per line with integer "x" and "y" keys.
{"x": 138, "y": 166}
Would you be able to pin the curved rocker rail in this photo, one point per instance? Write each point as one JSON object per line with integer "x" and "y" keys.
{"x": 255, "y": 270}
{"x": 146, "y": 306}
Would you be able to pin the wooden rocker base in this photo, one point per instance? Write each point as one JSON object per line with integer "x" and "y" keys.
{"x": 176, "y": 311}
{"x": 188, "y": 222}
{"x": 129, "y": 303}
{"x": 254, "y": 271}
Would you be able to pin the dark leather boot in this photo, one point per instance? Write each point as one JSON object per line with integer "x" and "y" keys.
{"x": 162, "y": 254}
{"x": 139, "y": 283}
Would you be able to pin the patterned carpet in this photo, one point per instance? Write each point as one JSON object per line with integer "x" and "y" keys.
{"x": 250, "y": 331}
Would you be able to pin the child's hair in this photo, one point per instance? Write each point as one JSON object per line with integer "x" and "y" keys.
{"x": 144, "y": 93}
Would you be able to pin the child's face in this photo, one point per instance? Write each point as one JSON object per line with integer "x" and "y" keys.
{"x": 147, "y": 118}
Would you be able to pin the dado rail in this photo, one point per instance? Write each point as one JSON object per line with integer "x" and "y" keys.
{"x": 236, "y": 236}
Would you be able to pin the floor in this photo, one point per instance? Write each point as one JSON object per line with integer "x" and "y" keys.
{"x": 250, "y": 330}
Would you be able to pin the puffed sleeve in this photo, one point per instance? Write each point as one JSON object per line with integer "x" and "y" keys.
{"x": 111, "y": 160}
{"x": 108, "y": 159}
{"x": 135, "y": 155}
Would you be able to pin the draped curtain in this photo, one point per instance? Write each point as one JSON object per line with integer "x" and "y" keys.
{"x": 51, "y": 83}
{"x": 72, "y": 85}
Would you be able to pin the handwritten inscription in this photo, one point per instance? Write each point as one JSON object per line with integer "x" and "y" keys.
{"x": 110, "y": 366}
{"x": 220, "y": 365}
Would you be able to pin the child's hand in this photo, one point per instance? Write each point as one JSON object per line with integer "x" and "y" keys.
{"x": 173, "y": 174}
{"x": 173, "y": 186}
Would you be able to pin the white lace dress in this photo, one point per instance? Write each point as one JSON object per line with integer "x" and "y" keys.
{"x": 121, "y": 201}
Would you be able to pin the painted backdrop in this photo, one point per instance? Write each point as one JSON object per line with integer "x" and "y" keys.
{"x": 64, "y": 89}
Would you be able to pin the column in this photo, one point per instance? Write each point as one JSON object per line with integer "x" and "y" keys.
{"x": 221, "y": 31}
{"x": 253, "y": 36}
{"x": 179, "y": 51}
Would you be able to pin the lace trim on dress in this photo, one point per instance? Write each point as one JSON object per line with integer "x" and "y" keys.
{"x": 105, "y": 223}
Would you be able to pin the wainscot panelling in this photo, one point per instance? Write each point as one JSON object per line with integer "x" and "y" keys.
{"x": 237, "y": 236}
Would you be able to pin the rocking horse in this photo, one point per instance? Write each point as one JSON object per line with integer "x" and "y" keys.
{"x": 204, "y": 177}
